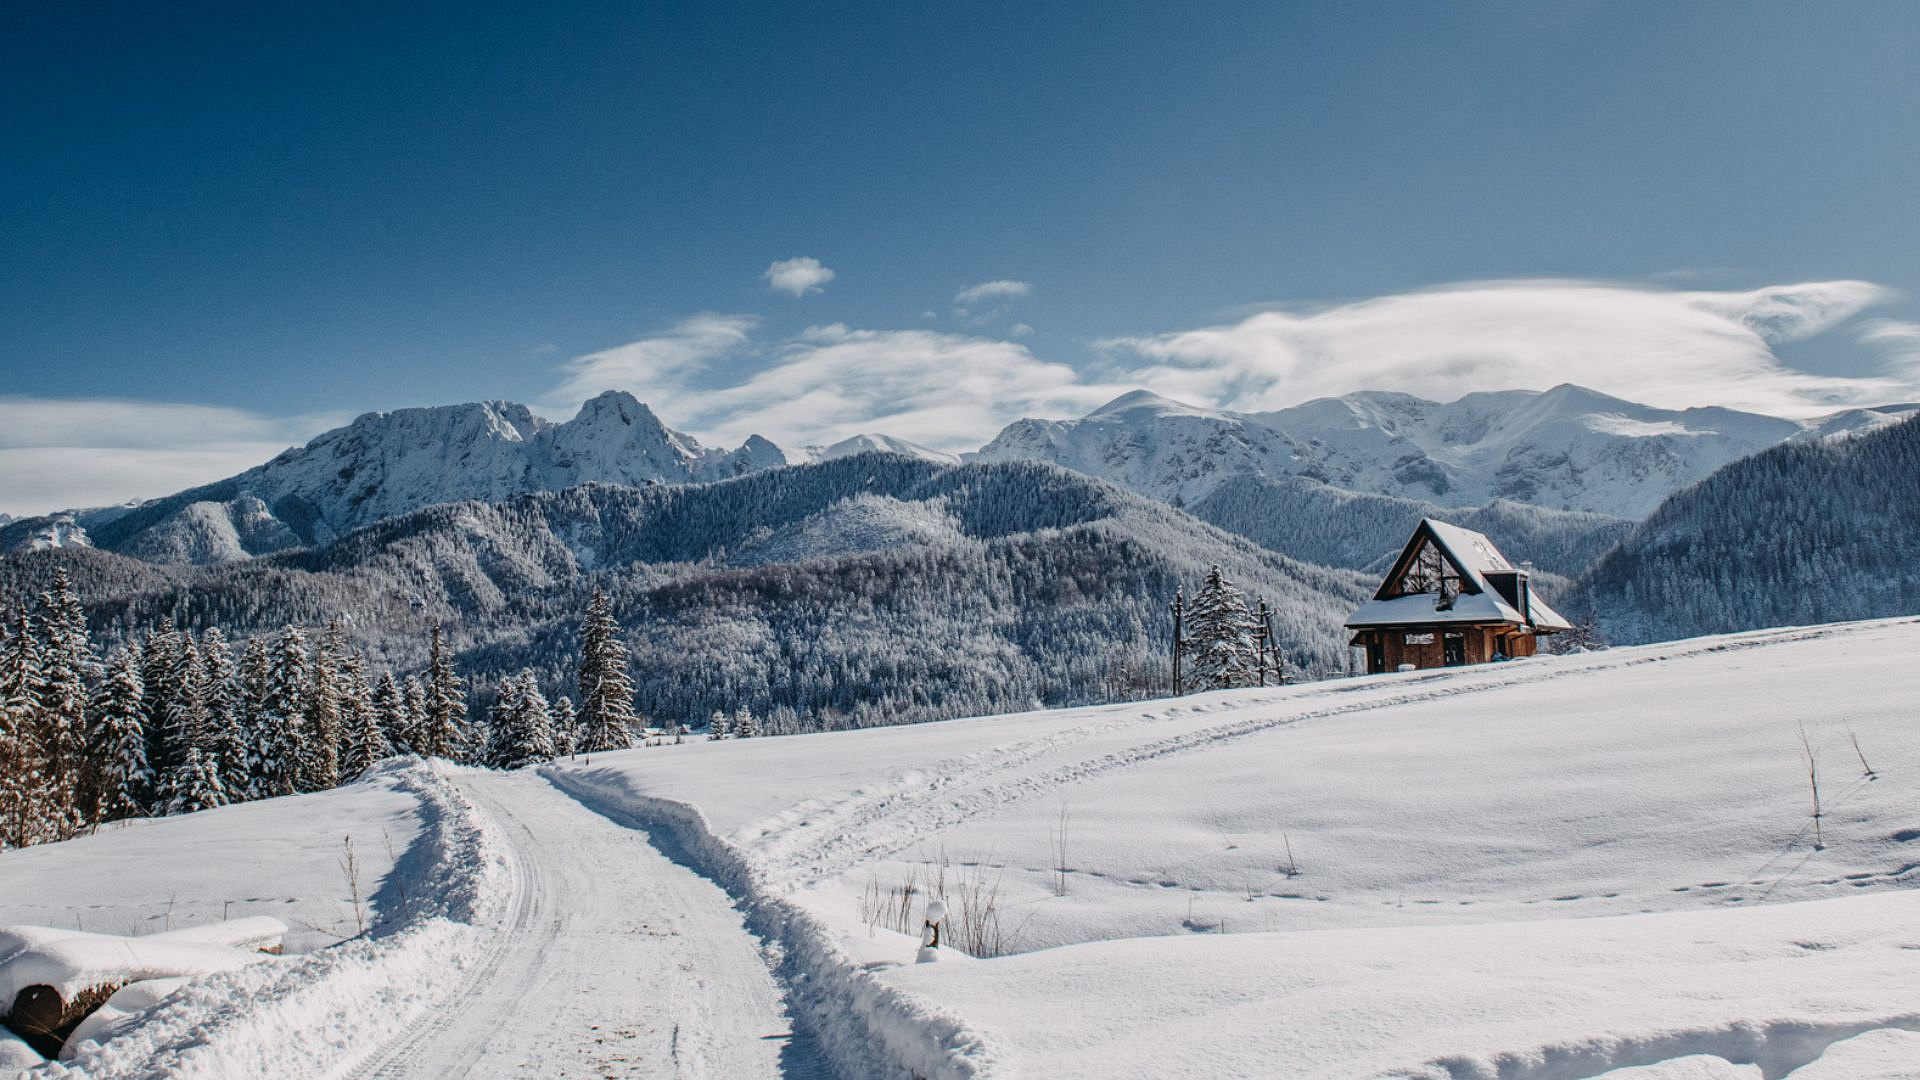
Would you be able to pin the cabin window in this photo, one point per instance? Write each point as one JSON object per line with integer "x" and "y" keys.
{"x": 1419, "y": 639}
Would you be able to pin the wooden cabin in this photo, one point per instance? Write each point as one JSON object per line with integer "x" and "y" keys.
{"x": 1450, "y": 599}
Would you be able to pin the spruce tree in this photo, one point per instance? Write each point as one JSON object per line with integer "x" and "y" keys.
{"x": 226, "y": 743}
{"x": 66, "y": 664}
{"x": 362, "y": 742}
{"x": 390, "y": 713}
{"x": 441, "y": 733}
{"x": 520, "y": 727}
{"x": 566, "y": 727}
{"x": 280, "y": 736}
{"x": 194, "y": 784}
{"x": 320, "y": 749}
{"x": 119, "y": 782}
{"x": 414, "y": 693}
{"x": 164, "y": 681}
{"x": 24, "y": 799}
{"x": 719, "y": 725}
{"x": 1220, "y": 645}
{"x": 262, "y": 738}
{"x": 606, "y": 693}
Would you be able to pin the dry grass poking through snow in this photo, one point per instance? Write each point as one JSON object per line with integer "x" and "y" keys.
{"x": 971, "y": 892}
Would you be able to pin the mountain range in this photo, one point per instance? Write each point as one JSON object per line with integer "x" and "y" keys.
{"x": 1566, "y": 449}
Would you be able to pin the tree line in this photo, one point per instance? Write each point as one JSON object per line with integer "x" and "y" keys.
{"x": 177, "y": 721}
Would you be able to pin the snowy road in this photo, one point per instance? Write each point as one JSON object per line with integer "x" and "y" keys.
{"x": 616, "y": 961}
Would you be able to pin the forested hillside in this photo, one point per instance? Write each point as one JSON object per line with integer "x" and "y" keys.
{"x": 1808, "y": 532}
{"x": 1363, "y": 531}
{"x": 870, "y": 589}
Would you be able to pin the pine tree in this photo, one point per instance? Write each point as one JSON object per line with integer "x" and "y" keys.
{"x": 745, "y": 725}
{"x": 414, "y": 692}
{"x": 194, "y": 785}
{"x": 566, "y": 727}
{"x": 320, "y": 749}
{"x": 24, "y": 800}
{"x": 280, "y": 734}
{"x": 1220, "y": 644}
{"x": 390, "y": 713}
{"x": 119, "y": 783}
{"x": 164, "y": 681}
{"x": 606, "y": 693}
{"x": 441, "y": 735}
{"x": 226, "y": 744}
{"x": 719, "y": 725}
{"x": 520, "y": 727}
{"x": 66, "y": 663}
{"x": 187, "y": 722}
{"x": 261, "y": 735}
{"x": 363, "y": 744}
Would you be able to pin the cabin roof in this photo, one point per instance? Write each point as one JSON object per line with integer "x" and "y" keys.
{"x": 1475, "y": 557}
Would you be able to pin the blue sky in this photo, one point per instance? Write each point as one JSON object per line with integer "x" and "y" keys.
{"x": 241, "y": 224}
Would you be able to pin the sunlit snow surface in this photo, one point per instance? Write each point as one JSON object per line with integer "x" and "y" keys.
{"x": 1452, "y": 836}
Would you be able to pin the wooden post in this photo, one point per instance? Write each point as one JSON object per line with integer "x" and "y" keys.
{"x": 1262, "y": 640}
{"x": 1179, "y": 606}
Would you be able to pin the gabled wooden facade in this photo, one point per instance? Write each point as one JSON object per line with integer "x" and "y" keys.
{"x": 1450, "y": 598}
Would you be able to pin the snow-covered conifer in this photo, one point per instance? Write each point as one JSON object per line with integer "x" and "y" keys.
{"x": 363, "y": 743}
{"x": 520, "y": 729}
{"x": 320, "y": 750}
{"x": 566, "y": 728}
{"x": 66, "y": 665}
{"x": 390, "y": 713}
{"x": 194, "y": 784}
{"x": 224, "y": 740}
{"x": 261, "y": 738}
{"x": 280, "y": 728}
{"x": 414, "y": 693}
{"x": 745, "y": 724}
{"x": 119, "y": 784}
{"x": 443, "y": 730}
{"x": 24, "y": 801}
{"x": 719, "y": 725}
{"x": 606, "y": 693}
{"x": 1220, "y": 646}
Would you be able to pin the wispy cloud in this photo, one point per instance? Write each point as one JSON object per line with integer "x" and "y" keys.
{"x": 829, "y": 382}
{"x": 798, "y": 276}
{"x": 992, "y": 290}
{"x": 56, "y": 454}
{"x": 1662, "y": 347}
{"x": 1899, "y": 345}
{"x": 667, "y": 360}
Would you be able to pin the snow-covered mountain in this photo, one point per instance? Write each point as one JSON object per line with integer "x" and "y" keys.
{"x": 389, "y": 463}
{"x": 1567, "y": 448}
{"x": 869, "y": 444}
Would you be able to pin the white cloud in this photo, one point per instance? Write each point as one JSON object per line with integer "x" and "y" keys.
{"x": 798, "y": 276}
{"x": 992, "y": 290}
{"x": 1019, "y": 329}
{"x": 664, "y": 361}
{"x": 58, "y": 454}
{"x": 1668, "y": 348}
{"x": 1899, "y": 345}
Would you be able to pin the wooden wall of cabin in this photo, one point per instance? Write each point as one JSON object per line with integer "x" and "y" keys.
{"x": 1478, "y": 645}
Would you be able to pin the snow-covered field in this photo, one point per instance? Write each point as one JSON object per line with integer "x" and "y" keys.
{"x": 1433, "y": 844}
{"x": 1551, "y": 868}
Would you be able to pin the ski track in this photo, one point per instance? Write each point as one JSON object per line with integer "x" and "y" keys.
{"x": 614, "y": 961}
{"x": 820, "y": 839}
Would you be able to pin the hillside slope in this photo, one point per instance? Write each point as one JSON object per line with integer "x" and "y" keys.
{"x": 1804, "y": 533}
{"x": 870, "y": 589}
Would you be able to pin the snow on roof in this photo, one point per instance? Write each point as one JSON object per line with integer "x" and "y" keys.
{"x": 1475, "y": 557}
{"x": 1484, "y": 607}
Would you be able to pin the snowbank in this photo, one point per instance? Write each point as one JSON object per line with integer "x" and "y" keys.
{"x": 317, "y": 1013}
{"x": 1770, "y": 986}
